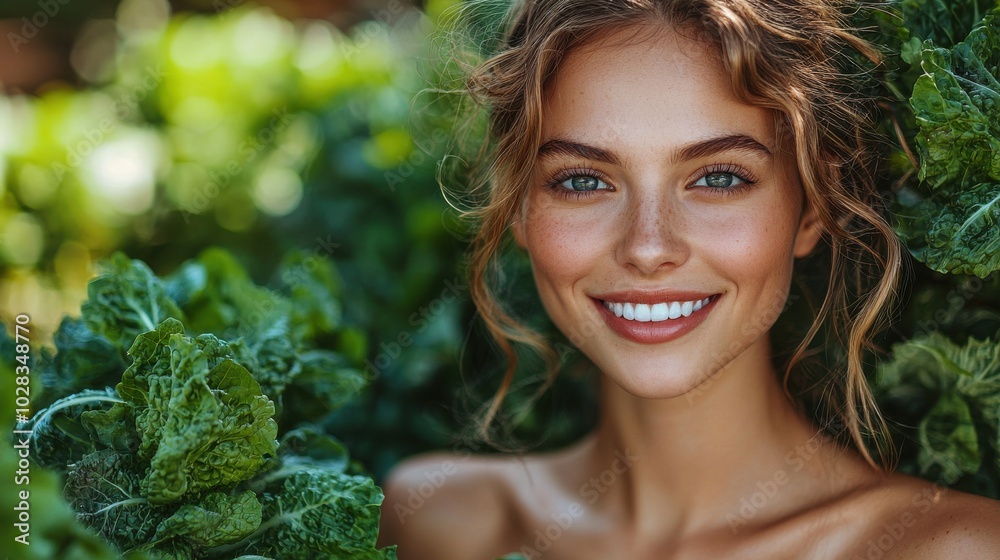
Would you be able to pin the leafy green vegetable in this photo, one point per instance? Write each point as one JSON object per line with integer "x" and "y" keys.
{"x": 322, "y": 513}
{"x": 104, "y": 488}
{"x": 219, "y": 298}
{"x": 955, "y": 103}
{"x": 270, "y": 355}
{"x": 181, "y": 459}
{"x": 957, "y": 107}
{"x": 948, "y": 438}
{"x": 314, "y": 290}
{"x": 945, "y": 22}
{"x": 60, "y": 435}
{"x": 307, "y": 446}
{"x": 52, "y": 530}
{"x": 327, "y": 382}
{"x": 302, "y": 449}
{"x": 215, "y": 520}
{"x": 951, "y": 393}
{"x": 270, "y": 333}
{"x": 202, "y": 419}
{"x": 128, "y": 299}
{"x": 113, "y": 428}
{"x": 82, "y": 359}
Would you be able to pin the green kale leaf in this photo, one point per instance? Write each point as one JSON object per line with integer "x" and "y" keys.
{"x": 956, "y": 104}
{"x": 113, "y": 428}
{"x": 59, "y": 433}
{"x": 317, "y": 513}
{"x": 302, "y": 449}
{"x": 104, "y": 489}
{"x": 83, "y": 359}
{"x": 181, "y": 460}
{"x": 125, "y": 301}
{"x": 215, "y": 520}
{"x": 269, "y": 354}
{"x": 308, "y": 445}
{"x": 202, "y": 419}
{"x": 326, "y": 383}
{"x": 314, "y": 289}
{"x": 952, "y": 394}
{"x": 219, "y": 297}
{"x": 945, "y": 22}
{"x": 956, "y": 228}
{"x": 948, "y": 439}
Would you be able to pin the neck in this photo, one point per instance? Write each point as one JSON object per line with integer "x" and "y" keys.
{"x": 690, "y": 461}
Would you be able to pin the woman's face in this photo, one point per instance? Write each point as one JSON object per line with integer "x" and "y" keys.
{"x": 654, "y": 189}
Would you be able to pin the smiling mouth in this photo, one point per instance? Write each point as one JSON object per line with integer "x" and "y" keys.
{"x": 655, "y": 322}
{"x": 656, "y": 312}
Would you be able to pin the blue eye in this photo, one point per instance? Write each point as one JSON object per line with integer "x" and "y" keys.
{"x": 583, "y": 183}
{"x": 720, "y": 180}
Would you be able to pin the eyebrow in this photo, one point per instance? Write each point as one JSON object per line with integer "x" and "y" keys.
{"x": 711, "y": 146}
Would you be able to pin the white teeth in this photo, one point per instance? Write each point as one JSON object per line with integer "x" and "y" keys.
{"x": 687, "y": 308}
{"x": 657, "y": 312}
{"x": 675, "y": 310}
{"x": 642, "y": 312}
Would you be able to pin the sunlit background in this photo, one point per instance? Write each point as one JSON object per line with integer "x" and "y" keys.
{"x": 160, "y": 127}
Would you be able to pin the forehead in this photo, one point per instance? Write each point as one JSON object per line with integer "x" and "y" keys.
{"x": 653, "y": 90}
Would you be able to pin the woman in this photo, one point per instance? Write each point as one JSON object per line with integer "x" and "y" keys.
{"x": 664, "y": 164}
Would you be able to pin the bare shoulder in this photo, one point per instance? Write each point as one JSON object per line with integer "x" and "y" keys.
{"x": 919, "y": 520}
{"x": 445, "y": 506}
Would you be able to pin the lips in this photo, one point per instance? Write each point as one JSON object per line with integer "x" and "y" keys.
{"x": 654, "y": 317}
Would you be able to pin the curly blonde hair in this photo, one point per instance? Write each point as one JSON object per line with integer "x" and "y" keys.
{"x": 789, "y": 56}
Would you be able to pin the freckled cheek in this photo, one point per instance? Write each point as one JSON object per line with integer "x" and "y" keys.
{"x": 751, "y": 249}
{"x": 565, "y": 244}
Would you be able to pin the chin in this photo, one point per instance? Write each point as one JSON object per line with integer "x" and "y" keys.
{"x": 657, "y": 381}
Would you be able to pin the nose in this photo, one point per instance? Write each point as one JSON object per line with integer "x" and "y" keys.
{"x": 654, "y": 235}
